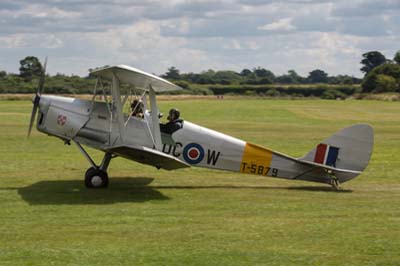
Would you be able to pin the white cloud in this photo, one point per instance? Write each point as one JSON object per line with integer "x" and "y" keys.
{"x": 30, "y": 41}
{"x": 196, "y": 35}
{"x": 283, "y": 24}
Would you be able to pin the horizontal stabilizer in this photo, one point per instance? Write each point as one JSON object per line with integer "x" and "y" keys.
{"x": 322, "y": 173}
{"x": 148, "y": 156}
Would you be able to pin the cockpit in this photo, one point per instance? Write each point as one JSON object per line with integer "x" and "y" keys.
{"x": 174, "y": 122}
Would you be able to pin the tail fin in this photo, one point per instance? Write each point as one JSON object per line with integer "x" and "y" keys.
{"x": 348, "y": 149}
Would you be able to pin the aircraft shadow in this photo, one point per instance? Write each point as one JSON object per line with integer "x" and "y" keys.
{"x": 320, "y": 189}
{"x": 303, "y": 188}
{"x": 121, "y": 189}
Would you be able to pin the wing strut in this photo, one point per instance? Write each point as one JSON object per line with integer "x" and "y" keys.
{"x": 154, "y": 119}
{"x": 118, "y": 106}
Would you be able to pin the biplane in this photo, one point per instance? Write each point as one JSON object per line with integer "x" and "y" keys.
{"x": 103, "y": 123}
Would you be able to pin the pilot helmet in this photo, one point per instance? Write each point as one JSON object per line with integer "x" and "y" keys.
{"x": 139, "y": 104}
{"x": 173, "y": 114}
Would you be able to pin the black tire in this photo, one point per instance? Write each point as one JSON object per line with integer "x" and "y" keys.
{"x": 95, "y": 178}
{"x": 90, "y": 171}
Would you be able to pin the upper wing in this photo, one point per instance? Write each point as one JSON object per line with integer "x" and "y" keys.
{"x": 148, "y": 156}
{"x": 133, "y": 76}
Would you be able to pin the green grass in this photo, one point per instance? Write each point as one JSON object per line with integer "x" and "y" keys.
{"x": 199, "y": 216}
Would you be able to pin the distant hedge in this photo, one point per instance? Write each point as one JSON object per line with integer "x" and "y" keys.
{"x": 60, "y": 84}
{"x": 56, "y": 85}
{"x": 291, "y": 90}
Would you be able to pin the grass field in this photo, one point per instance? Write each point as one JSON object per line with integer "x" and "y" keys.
{"x": 198, "y": 216}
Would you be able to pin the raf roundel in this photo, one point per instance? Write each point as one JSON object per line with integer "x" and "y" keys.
{"x": 61, "y": 120}
{"x": 193, "y": 153}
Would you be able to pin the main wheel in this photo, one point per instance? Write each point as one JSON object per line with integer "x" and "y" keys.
{"x": 96, "y": 178}
{"x": 90, "y": 171}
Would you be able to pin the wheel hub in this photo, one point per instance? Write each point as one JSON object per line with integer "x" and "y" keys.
{"x": 96, "y": 181}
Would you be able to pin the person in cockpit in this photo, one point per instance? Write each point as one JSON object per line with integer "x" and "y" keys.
{"x": 174, "y": 122}
{"x": 137, "y": 109}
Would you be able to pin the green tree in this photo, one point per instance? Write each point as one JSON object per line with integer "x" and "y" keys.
{"x": 289, "y": 78}
{"x": 226, "y": 77}
{"x": 264, "y": 73}
{"x": 245, "y": 72}
{"x": 371, "y": 60}
{"x": 385, "y": 83}
{"x": 285, "y": 79}
{"x": 373, "y": 83}
{"x": 296, "y": 77}
{"x": 172, "y": 73}
{"x": 30, "y": 68}
{"x": 369, "y": 82}
{"x": 317, "y": 76}
{"x": 3, "y": 74}
{"x": 397, "y": 57}
{"x": 207, "y": 77}
{"x": 344, "y": 79}
{"x": 190, "y": 77}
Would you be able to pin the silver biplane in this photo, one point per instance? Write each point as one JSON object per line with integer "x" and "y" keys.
{"x": 102, "y": 124}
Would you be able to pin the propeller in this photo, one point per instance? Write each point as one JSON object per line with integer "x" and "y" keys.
{"x": 37, "y": 97}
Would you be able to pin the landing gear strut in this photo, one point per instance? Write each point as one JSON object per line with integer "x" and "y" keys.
{"x": 334, "y": 181}
{"x": 96, "y": 176}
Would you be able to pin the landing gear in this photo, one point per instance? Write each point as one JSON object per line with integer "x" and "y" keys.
{"x": 334, "y": 181}
{"x": 96, "y": 176}
{"x": 335, "y": 184}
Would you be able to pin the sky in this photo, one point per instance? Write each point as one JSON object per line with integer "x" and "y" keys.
{"x": 197, "y": 35}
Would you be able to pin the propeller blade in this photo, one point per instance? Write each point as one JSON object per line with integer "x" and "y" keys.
{"x": 33, "y": 115}
{"x": 41, "y": 80}
{"x": 37, "y": 97}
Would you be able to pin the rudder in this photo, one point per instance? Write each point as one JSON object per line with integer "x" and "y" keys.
{"x": 349, "y": 149}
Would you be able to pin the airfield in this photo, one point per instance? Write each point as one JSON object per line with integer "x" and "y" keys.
{"x": 198, "y": 216}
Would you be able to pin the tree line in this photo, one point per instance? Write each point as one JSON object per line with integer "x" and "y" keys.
{"x": 256, "y": 76}
{"x": 380, "y": 75}
{"x": 26, "y": 81}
